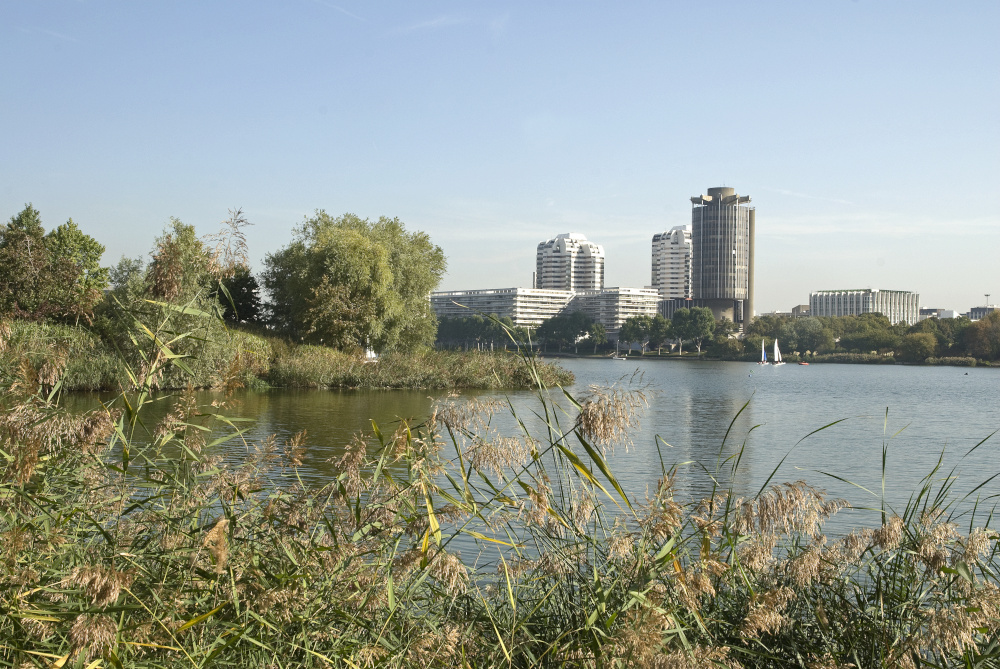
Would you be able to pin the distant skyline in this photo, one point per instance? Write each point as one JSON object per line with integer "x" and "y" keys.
{"x": 866, "y": 133}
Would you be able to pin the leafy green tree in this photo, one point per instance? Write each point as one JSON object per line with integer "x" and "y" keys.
{"x": 56, "y": 276}
{"x": 659, "y": 331}
{"x": 694, "y": 325}
{"x": 982, "y": 338}
{"x": 635, "y": 330}
{"x": 598, "y": 335}
{"x": 241, "y": 298}
{"x": 76, "y": 257}
{"x": 565, "y": 329}
{"x": 348, "y": 282}
{"x": 917, "y": 346}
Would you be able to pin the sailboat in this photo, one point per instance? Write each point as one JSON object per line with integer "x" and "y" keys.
{"x": 777, "y": 355}
{"x": 763, "y": 354}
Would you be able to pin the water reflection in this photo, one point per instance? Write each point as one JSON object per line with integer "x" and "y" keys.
{"x": 691, "y": 407}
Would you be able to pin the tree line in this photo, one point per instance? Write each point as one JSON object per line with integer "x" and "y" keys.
{"x": 344, "y": 282}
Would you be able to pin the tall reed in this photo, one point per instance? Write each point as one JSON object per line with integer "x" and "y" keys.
{"x": 121, "y": 551}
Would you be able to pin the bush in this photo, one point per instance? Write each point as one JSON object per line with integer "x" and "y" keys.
{"x": 955, "y": 361}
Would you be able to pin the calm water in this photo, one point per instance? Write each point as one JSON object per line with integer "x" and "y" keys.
{"x": 931, "y": 410}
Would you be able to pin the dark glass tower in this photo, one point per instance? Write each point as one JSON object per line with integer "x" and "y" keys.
{"x": 722, "y": 230}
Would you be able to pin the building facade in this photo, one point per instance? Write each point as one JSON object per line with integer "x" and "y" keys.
{"x": 896, "y": 305}
{"x": 612, "y": 306}
{"x": 569, "y": 262}
{"x": 722, "y": 247}
{"x": 527, "y": 307}
{"x": 671, "y": 275}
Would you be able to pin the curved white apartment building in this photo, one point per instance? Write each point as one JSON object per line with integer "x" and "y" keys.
{"x": 671, "y": 275}
{"x": 569, "y": 262}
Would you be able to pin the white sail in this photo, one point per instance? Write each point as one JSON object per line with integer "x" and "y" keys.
{"x": 777, "y": 354}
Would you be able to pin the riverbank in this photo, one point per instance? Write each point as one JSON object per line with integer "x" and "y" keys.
{"x": 792, "y": 358}
{"x": 79, "y": 360}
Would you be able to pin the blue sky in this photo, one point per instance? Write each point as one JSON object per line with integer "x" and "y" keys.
{"x": 867, "y": 134}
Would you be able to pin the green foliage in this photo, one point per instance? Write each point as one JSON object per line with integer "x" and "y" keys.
{"x": 350, "y": 283}
{"x": 48, "y": 276}
{"x": 694, "y": 324}
{"x": 565, "y": 329}
{"x": 121, "y": 551}
{"x": 597, "y": 335}
{"x": 476, "y": 331}
{"x": 917, "y": 347}
{"x": 240, "y": 297}
{"x": 982, "y": 338}
{"x": 635, "y": 330}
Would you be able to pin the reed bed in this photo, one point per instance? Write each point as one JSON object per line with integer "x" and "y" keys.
{"x": 81, "y": 360}
{"x": 116, "y": 554}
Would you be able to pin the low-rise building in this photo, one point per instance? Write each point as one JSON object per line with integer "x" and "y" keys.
{"x": 613, "y": 306}
{"x": 527, "y": 307}
{"x": 896, "y": 305}
{"x": 977, "y": 313}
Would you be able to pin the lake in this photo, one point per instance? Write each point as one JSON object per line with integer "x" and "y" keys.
{"x": 922, "y": 414}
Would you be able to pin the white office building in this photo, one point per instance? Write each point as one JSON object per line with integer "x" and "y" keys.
{"x": 896, "y": 305}
{"x": 671, "y": 275}
{"x": 569, "y": 262}
{"x": 527, "y": 307}
{"x": 612, "y": 306}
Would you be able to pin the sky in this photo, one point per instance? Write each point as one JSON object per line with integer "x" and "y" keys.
{"x": 866, "y": 133}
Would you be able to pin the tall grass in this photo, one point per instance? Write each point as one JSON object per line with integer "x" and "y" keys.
{"x": 117, "y": 554}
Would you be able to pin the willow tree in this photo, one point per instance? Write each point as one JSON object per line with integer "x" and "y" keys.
{"x": 349, "y": 282}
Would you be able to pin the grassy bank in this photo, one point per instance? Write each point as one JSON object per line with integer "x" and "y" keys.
{"x": 82, "y": 360}
{"x": 116, "y": 555}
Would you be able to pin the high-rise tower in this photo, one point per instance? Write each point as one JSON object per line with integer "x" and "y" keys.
{"x": 671, "y": 275}
{"x": 722, "y": 240}
{"x": 569, "y": 262}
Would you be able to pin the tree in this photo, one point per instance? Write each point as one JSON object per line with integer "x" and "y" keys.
{"x": 659, "y": 331}
{"x": 48, "y": 276}
{"x": 982, "y": 338}
{"x": 348, "y": 282}
{"x": 565, "y": 329}
{"x": 917, "y": 346}
{"x": 598, "y": 335}
{"x": 241, "y": 299}
{"x": 694, "y": 324}
{"x": 635, "y": 330}
{"x": 75, "y": 259}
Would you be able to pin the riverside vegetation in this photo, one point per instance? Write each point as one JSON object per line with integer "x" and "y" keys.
{"x": 342, "y": 285}
{"x": 153, "y": 552}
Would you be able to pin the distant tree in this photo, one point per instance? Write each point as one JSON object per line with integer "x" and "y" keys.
{"x": 659, "y": 331}
{"x": 565, "y": 329}
{"x": 917, "y": 346}
{"x": 55, "y": 275}
{"x": 635, "y": 330}
{"x": 598, "y": 335}
{"x": 241, "y": 298}
{"x": 694, "y": 325}
{"x": 350, "y": 282}
{"x": 982, "y": 337}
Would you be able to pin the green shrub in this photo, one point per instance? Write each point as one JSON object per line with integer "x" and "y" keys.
{"x": 955, "y": 361}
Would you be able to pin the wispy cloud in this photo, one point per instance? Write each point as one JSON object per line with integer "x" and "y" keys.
{"x": 50, "y": 33}
{"x": 340, "y": 9}
{"x": 445, "y": 21}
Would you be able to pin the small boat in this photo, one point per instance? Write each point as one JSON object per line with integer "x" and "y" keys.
{"x": 763, "y": 354}
{"x": 619, "y": 357}
{"x": 777, "y": 355}
{"x": 803, "y": 363}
